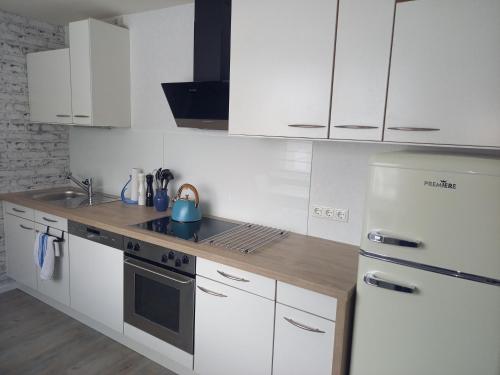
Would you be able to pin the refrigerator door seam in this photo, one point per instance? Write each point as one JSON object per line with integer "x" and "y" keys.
{"x": 439, "y": 270}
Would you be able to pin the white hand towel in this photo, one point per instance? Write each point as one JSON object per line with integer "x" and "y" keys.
{"x": 45, "y": 251}
{"x": 47, "y": 270}
{"x": 39, "y": 249}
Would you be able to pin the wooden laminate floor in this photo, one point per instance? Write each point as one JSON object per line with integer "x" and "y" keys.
{"x": 37, "y": 339}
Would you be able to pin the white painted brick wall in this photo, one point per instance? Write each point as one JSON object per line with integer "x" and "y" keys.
{"x": 32, "y": 156}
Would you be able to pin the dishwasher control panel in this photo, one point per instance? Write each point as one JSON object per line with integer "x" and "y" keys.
{"x": 96, "y": 234}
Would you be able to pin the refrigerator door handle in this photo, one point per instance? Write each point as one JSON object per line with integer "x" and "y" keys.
{"x": 380, "y": 237}
{"x": 371, "y": 278}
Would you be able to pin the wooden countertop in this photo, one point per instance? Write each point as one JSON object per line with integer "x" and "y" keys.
{"x": 316, "y": 264}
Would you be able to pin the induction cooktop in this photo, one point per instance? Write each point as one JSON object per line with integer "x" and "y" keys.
{"x": 196, "y": 231}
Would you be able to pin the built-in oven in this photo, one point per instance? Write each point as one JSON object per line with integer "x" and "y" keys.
{"x": 159, "y": 290}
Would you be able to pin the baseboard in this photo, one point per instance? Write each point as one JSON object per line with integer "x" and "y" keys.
{"x": 112, "y": 334}
{"x": 7, "y": 285}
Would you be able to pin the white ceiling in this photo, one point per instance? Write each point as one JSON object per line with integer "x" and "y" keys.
{"x": 61, "y": 12}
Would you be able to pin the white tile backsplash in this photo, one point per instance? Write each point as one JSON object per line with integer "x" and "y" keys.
{"x": 108, "y": 155}
{"x": 265, "y": 181}
{"x": 339, "y": 180}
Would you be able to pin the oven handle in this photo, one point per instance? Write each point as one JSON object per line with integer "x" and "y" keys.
{"x": 159, "y": 274}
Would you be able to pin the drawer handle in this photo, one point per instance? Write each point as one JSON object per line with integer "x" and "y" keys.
{"x": 413, "y": 129}
{"x": 49, "y": 220}
{"x": 82, "y": 116}
{"x": 357, "y": 127}
{"x": 302, "y": 326}
{"x": 231, "y": 277}
{"x": 27, "y": 228}
{"x": 18, "y": 210}
{"x": 211, "y": 292}
{"x": 63, "y": 115}
{"x": 307, "y": 126}
{"x": 380, "y": 237}
{"x": 372, "y": 279}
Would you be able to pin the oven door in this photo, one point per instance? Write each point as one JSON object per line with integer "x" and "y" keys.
{"x": 159, "y": 302}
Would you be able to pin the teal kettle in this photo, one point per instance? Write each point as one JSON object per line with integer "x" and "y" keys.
{"x": 185, "y": 210}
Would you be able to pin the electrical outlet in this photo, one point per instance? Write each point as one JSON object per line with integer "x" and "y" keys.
{"x": 341, "y": 214}
{"x": 329, "y": 212}
{"x": 317, "y": 211}
{"x": 337, "y": 214}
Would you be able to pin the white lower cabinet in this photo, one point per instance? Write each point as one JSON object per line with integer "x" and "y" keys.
{"x": 96, "y": 281}
{"x": 303, "y": 343}
{"x": 233, "y": 331}
{"x": 56, "y": 288}
{"x": 20, "y": 238}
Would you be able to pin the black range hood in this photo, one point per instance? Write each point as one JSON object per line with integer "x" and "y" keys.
{"x": 204, "y": 103}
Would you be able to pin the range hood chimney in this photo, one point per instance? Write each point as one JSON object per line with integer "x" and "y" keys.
{"x": 204, "y": 103}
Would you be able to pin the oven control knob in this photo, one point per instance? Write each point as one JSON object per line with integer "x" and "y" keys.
{"x": 171, "y": 255}
{"x": 137, "y": 247}
{"x": 185, "y": 259}
{"x": 130, "y": 245}
{"x": 164, "y": 258}
{"x": 178, "y": 262}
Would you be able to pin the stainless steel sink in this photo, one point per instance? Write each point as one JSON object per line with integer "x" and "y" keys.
{"x": 57, "y": 196}
{"x": 72, "y": 198}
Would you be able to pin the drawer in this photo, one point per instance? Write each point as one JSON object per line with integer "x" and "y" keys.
{"x": 51, "y": 220}
{"x": 20, "y": 211}
{"x": 307, "y": 300}
{"x": 250, "y": 282}
{"x": 303, "y": 343}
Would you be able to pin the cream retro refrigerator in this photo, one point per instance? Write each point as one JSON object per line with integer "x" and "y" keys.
{"x": 428, "y": 291}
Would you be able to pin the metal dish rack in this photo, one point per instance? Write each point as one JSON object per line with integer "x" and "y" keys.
{"x": 246, "y": 238}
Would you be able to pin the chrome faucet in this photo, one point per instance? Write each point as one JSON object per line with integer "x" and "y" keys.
{"x": 85, "y": 185}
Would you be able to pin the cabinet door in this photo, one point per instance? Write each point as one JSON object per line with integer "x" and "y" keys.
{"x": 281, "y": 67}
{"x": 444, "y": 84}
{"x": 96, "y": 281}
{"x": 58, "y": 287}
{"x": 234, "y": 331}
{"x": 20, "y": 240}
{"x": 49, "y": 86}
{"x": 303, "y": 343}
{"x": 79, "y": 42}
{"x": 362, "y": 54}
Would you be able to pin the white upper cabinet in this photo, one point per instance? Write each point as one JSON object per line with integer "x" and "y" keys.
{"x": 281, "y": 67}
{"x": 100, "y": 73}
{"x": 363, "y": 49}
{"x": 49, "y": 86}
{"x": 444, "y": 84}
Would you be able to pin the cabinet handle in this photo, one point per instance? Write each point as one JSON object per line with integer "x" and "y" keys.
{"x": 357, "y": 127}
{"x": 81, "y": 116}
{"x": 302, "y": 326}
{"x": 63, "y": 115}
{"x": 18, "y": 210}
{"x": 413, "y": 129}
{"x": 27, "y": 228}
{"x": 306, "y": 126}
{"x": 373, "y": 280}
{"x": 49, "y": 220}
{"x": 212, "y": 293}
{"x": 231, "y": 277}
{"x": 380, "y": 237}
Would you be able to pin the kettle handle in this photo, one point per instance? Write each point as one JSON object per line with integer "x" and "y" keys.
{"x": 193, "y": 189}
